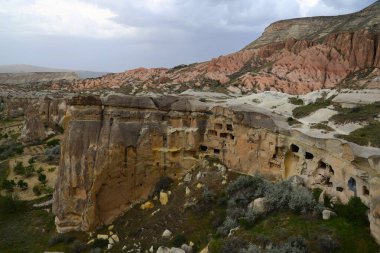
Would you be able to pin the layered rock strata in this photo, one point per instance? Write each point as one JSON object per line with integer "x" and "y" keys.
{"x": 116, "y": 148}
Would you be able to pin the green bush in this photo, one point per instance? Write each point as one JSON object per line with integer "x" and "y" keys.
{"x": 31, "y": 160}
{"x": 37, "y": 190}
{"x": 305, "y": 110}
{"x": 22, "y": 185}
{"x": 295, "y": 101}
{"x": 19, "y": 169}
{"x": 42, "y": 178}
{"x": 29, "y": 170}
{"x": 363, "y": 113}
{"x": 53, "y": 142}
{"x": 368, "y": 135}
{"x": 11, "y": 205}
{"x": 354, "y": 211}
{"x": 178, "y": 240}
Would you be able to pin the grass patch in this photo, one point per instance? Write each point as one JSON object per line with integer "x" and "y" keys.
{"x": 364, "y": 113}
{"x": 366, "y": 136}
{"x": 305, "y": 110}
{"x": 295, "y": 101}
{"x": 321, "y": 126}
{"x": 292, "y": 121}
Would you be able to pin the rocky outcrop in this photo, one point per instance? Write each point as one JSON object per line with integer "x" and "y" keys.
{"x": 293, "y": 56}
{"x": 116, "y": 148}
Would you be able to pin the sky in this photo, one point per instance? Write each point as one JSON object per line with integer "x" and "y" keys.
{"x": 116, "y": 35}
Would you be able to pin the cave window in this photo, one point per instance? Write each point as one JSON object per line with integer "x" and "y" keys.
{"x": 218, "y": 126}
{"x": 352, "y": 184}
{"x": 158, "y": 164}
{"x": 331, "y": 170}
{"x": 229, "y": 127}
{"x": 339, "y": 189}
{"x": 223, "y": 135}
{"x": 232, "y": 136}
{"x": 309, "y": 156}
{"x": 365, "y": 191}
{"x": 294, "y": 148}
{"x": 203, "y": 148}
{"x": 216, "y": 151}
{"x": 322, "y": 165}
{"x": 111, "y": 121}
{"x": 141, "y": 185}
{"x": 165, "y": 140}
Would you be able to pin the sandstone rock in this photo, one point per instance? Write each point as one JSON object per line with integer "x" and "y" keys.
{"x": 164, "y": 198}
{"x": 109, "y": 246}
{"x": 147, "y": 205}
{"x": 110, "y": 227}
{"x": 204, "y": 250}
{"x": 176, "y": 250}
{"x": 115, "y": 237}
{"x": 199, "y": 185}
{"x": 110, "y": 241}
{"x": 327, "y": 214}
{"x": 124, "y": 247}
{"x": 258, "y": 205}
{"x": 321, "y": 198}
{"x": 102, "y": 237}
{"x": 151, "y": 249}
{"x": 167, "y": 234}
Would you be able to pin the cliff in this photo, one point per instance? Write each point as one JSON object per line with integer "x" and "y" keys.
{"x": 116, "y": 148}
{"x": 293, "y": 56}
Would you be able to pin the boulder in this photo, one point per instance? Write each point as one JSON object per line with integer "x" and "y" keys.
{"x": 258, "y": 205}
{"x": 102, "y": 237}
{"x": 163, "y": 250}
{"x": 164, "y": 198}
{"x": 115, "y": 237}
{"x": 147, "y": 205}
{"x": 327, "y": 214}
{"x": 167, "y": 233}
{"x": 187, "y": 191}
{"x": 176, "y": 250}
{"x": 187, "y": 178}
{"x": 187, "y": 248}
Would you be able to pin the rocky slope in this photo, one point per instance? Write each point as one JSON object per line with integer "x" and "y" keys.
{"x": 35, "y": 79}
{"x": 292, "y": 56}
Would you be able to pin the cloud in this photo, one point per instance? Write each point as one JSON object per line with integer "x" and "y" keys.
{"x": 63, "y": 18}
{"x": 115, "y": 35}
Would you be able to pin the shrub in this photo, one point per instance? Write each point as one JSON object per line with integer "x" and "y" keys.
{"x": 10, "y": 149}
{"x": 60, "y": 238}
{"x": 8, "y": 185}
{"x": 305, "y": 110}
{"x": 29, "y": 170}
{"x": 19, "y": 169}
{"x": 31, "y": 160}
{"x": 293, "y": 245}
{"x": 251, "y": 249}
{"x": 178, "y": 240}
{"x": 53, "y": 142}
{"x": 368, "y": 135}
{"x": 215, "y": 246}
{"x": 227, "y": 225}
{"x": 22, "y": 185}
{"x": 355, "y": 211}
{"x": 37, "y": 190}
{"x": 42, "y": 178}
{"x": 163, "y": 185}
{"x": 295, "y": 101}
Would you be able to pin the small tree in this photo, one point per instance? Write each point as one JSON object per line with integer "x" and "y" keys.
{"x": 29, "y": 170}
{"x": 42, "y": 178}
{"x": 22, "y": 185}
{"x": 19, "y": 169}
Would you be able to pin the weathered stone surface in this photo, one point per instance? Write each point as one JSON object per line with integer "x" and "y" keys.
{"x": 327, "y": 214}
{"x": 258, "y": 205}
{"x": 167, "y": 233}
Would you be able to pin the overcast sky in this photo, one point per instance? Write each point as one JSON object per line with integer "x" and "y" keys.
{"x": 115, "y": 35}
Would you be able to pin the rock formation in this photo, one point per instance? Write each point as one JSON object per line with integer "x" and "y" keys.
{"x": 116, "y": 148}
{"x": 292, "y": 56}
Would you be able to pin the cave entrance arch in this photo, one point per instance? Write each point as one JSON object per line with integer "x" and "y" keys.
{"x": 352, "y": 184}
{"x": 291, "y": 163}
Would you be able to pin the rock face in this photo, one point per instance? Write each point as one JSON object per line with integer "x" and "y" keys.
{"x": 36, "y": 78}
{"x": 116, "y": 149}
{"x": 292, "y": 56}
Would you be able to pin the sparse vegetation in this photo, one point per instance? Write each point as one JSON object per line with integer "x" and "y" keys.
{"x": 296, "y": 101}
{"x": 53, "y": 143}
{"x": 366, "y": 136}
{"x": 305, "y": 110}
{"x": 321, "y": 126}
{"x": 292, "y": 121}
{"x": 363, "y": 113}
{"x": 11, "y": 149}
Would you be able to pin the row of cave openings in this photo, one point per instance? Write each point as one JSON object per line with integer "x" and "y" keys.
{"x": 223, "y": 132}
{"x": 351, "y": 183}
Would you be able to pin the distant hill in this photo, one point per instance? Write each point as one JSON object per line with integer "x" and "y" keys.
{"x": 24, "y": 68}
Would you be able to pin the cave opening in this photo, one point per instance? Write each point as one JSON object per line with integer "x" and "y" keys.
{"x": 212, "y": 132}
{"x": 232, "y": 136}
{"x": 111, "y": 121}
{"x": 352, "y": 184}
{"x": 223, "y": 135}
{"x": 218, "y": 126}
{"x": 203, "y": 148}
{"x": 229, "y": 127}
{"x": 365, "y": 190}
{"x": 294, "y": 148}
{"x": 309, "y": 156}
{"x": 216, "y": 151}
{"x": 339, "y": 189}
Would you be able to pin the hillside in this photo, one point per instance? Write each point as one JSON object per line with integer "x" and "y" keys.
{"x": 294, "y": 56}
